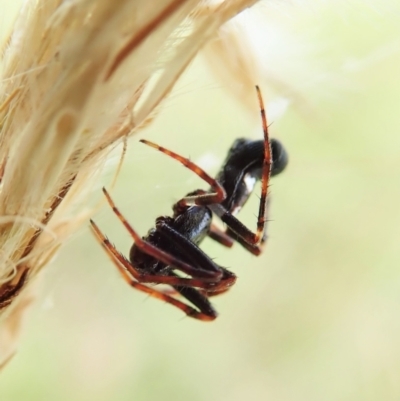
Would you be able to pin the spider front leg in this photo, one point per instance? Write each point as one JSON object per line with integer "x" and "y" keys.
{"x": 201, "y": 198}
{"x": 220, "y": 236}
{"x": 243, "y": 232}
{"x": 251, "y": 240}
{"x": 239, "y": 232}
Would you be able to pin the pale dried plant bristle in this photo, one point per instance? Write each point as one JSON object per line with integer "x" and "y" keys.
{"x": 78, "y": 77}
{"x": 252, "y": 48}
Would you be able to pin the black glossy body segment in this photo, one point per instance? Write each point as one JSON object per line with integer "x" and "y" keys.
{"x": 242, "y": 169}
{"x": 189, "y": 228}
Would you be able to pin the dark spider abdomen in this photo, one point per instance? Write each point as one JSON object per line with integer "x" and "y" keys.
{"x": 242, "y": 168}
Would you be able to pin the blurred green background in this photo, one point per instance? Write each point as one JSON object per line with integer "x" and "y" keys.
{"x": 317, "y": 316}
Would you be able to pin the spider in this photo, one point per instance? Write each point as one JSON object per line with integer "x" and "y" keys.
{"x": 172, "y": 247}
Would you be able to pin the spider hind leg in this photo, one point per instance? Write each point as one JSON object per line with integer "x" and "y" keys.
{"x": 205, "y": 313}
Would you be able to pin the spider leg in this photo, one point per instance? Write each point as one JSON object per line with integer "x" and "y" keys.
{"x": 165, "y": 257}
{"x": 209, "y": 294}
{"x": 204, "y": 198}
{"x": 220, "y": 236}
{"x": 199, "y": 300}
{"x": 266, "y": 173}
{"x": 189, "y": 249}
{"x": 238, "y": 231}
{"x": 183, "y": 286}
{"x": 254, "y": 249}
{"x": 124, "y": 265}
{"x": 212, "y": 289}
{"x": 244, "y": 235}
{"x": 200, "y": 297}
{"x": 205, "y": 312}
{"x": 207, "y": 315}
{"x": 226, "y": 282}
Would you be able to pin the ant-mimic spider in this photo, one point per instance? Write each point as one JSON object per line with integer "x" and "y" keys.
{"x": 173, "y": 245}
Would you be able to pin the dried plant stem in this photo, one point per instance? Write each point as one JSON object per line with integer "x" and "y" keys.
{"x": 78, "y": 77}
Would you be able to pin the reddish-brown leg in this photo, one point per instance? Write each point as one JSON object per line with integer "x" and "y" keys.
{"x": 150, "y": 249}
{"x": 126, "y": 269}
{"x": 227, "y": 281}
{"x": 266, "y": 173}
{"x": 205, "y": 198}
{"x": 220, "y": 236}
{"x": 224, "y": 285}
{"x": 245, "y": 235}
{"x": 209, "y": 294}
{"x": 144, "y": 278}
{"x": 254, "y": 249}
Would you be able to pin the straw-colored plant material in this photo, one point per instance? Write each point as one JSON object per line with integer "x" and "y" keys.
{"x": 254, "y": 47}
{"x": 78, "y": 77}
